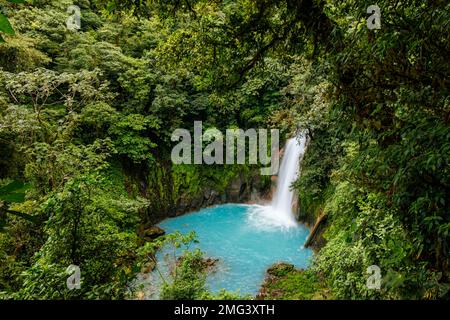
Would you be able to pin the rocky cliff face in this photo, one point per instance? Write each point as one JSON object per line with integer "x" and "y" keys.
{"x": 173, "y": 191}
{"x": 240, "y": 190}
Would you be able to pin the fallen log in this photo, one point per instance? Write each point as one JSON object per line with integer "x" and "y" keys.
{"x": 315, "y": 230}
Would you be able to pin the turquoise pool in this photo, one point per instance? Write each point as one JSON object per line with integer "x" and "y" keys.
{"x": 245, "y": 245}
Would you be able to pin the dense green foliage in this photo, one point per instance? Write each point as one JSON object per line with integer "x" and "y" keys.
{"x": 86, "y": 118}
{"x": 185, "y": 279}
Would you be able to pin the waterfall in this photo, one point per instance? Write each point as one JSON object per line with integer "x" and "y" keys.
{"x": 289, "y": 170}
{"x": 279, "y": 212}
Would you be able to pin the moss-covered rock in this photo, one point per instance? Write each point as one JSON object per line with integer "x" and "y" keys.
{"x": 285, "y": 282}
{"x": 280, "y": 269}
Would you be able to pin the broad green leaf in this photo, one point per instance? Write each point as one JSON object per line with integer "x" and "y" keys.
{"x": 13, "y": 197}
{"x": 15, "y": 186}
{"x": 5, "y": 26}
{"x": 22, "y": 215}
{"x": 13, "y": 192}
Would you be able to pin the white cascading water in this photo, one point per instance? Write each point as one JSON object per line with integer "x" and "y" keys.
{"x": 279, "y": 212}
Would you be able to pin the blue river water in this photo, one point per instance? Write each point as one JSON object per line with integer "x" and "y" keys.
{"x": 244, "y": 246}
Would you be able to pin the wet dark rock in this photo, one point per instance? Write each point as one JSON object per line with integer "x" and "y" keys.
{"x": 210, "y": 263}
{"x": 153, "y": 232}
{"x": 240, "y": 190}
{"x": 234, "y": 190}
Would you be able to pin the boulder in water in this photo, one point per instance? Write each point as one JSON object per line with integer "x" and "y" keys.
{"x": 205, "y": 264}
